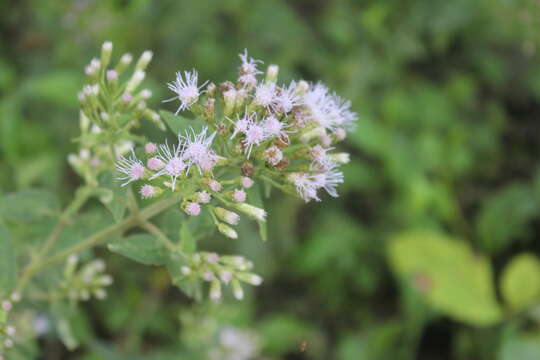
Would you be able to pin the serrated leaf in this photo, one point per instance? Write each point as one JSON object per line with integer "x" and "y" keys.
{"x": 8, "y": 263}
{"x": 113, "y": 195}
{"x": 179, "y": 124}
{"x": 29, "y": 205}
{"x": 520, "y": 281}
{"x": 453, "y": 279}
{"x": 143, "y": 248}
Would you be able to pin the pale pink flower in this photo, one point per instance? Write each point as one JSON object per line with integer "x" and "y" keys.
{"x": 340, "y": 133}
{"x": 241, "y": 124}
{"x": 248, "y": 70}
{"x": 226, "y": 276}
{"x": 127, "y": 97}
{"x": 174, "y": 163}
{"x": 112, "y": 75}
{"x": 246, "y": 182}
{"x": 273, "y": 155}
{"x": 150, "y": 148}
{"x": 305, "y": 186}
{"x": 208, "y": 276}
{"x": 197, "y": 149}
{"x": 186, "y": 89}
{"x": 239, "y": 195}
{"x": 193, "y": 209}
{"x": 286, "y": 99}
{"x": 273, "y": 127}
{"x": 131, "y": 168}
{"x": 265, "y": 94}
{"x": 154, "y": 163}
{"x": 214, "y": 185}
{"x": 147, "y": 191}
{"x": 203, "y": 197}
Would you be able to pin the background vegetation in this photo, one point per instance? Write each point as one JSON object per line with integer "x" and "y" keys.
{"x": 429, "y": 253}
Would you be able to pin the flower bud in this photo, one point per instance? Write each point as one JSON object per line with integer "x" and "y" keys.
{"x": 237, "y": 289}
{"x": 253, "y": 211}
{"x": 340, "y": 158}
{"x": 192, "y": 209}
{"x": 144, "y": 60}
{"x": 203, "y": 197}
{"x": 246, "y": 182}
{"x": 215, "y": 290}
{"x": 106, "y": 51}
{"x": 252, "y": 279}
{"x": 239, "y": 195}
{"x": 227, "y": 231}
{"x": 228, "y": 216}
{"x": 112, "y": 76}
{"x": 272, "y": 73}
{"x": 135, "y": 81}
{"x": 124, "y": 62}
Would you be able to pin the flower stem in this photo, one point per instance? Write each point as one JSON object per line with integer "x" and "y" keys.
{"x": 38, "y": 264}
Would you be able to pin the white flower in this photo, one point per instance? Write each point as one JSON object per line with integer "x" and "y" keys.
{"x": 248, "y": 70}
{"x": 241, "y": 124}
{"x": 254, "y": 134}
{"x": 305, "y": 186}
{"x": 273, "y": 155}
{"x": 286, "y": 99}
{"x": 132, "y": 168}
{"x": 273, "y": 127}
{"x": 197, "y": 150}
{"x": 265, "y": 94}
{"x": 329, "y": 180}
{"x": 328, "y": 110}
{"x": 174, "y": 162}
{"x": 186, "y": 88}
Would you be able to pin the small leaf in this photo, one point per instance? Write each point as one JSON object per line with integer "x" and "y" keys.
{"x": 451, "y": 277}
{"x": 191, "y": 287}
{"x": 520, "y": 281}
{"x": 179, "y": 124}
{"x": 187, "y": 240}
{"x": 114, "y": 196}
{"x": 143, "y": 248}
{"x": 29, "y": 205}
{"x": 8, "y": 265}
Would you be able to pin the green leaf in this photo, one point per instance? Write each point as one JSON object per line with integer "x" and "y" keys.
{"x": 179, "y": 124}
{"x": 113, "y": 195}
{"x": 8, "y": 264}
{"x": 520, "y": 281}
{"x": 143, "y": 248}
{"x": 497, "y": 227}
{"x": 82, "y": 227}
{"x": 452, "y": 278}
{"x": 187, "y": 240}
{"x": 191, "y": 287}
{"x": 29, "y": 205}
{"x": 520, "y": 346}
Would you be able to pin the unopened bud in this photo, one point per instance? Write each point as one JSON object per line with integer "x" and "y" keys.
{"x": 237, "y": 289}
{"x": 215, "y": 290}
{"x": 253, "y": 211}
{"x": 106, "y": 51}
{"x": 144, "y": 60}
{"x": 272, "y": 73}
{"x": 135, "y": 81}
{"x": 227, "y": 231}
{"x": 227, "y": 216}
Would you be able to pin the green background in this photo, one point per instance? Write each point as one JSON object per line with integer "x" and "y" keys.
{"x": 442, "y": 193}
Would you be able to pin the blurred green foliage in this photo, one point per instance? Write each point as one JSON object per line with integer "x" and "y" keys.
{"x": 429, "y": 253}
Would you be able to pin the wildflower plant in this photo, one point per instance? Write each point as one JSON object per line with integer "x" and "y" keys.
{"x": 232, "y": 143}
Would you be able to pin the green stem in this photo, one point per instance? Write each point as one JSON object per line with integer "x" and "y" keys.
{"x": 38, "y": 264}
{"x": 80, "y": 198}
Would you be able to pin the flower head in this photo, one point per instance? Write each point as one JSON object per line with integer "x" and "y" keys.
{"x": 193, "y": 209}
{"x": 131, "y": 168}
{"x": 186, "y": 88}
{"x": 197, "y": 149}
{"x": 174, "y": 162}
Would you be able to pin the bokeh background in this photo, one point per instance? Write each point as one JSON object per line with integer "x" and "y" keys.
{"x": 446, "y": 152}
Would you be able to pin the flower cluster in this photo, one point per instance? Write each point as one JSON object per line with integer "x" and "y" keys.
{"x": 81, "y": 284}
{"x": 282, "y": 134}
{"x": 111, "y": 107}
{"x": 7, "y": 331}
{"x": 240, "y": 137}
{"x": 221, "y": 270}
